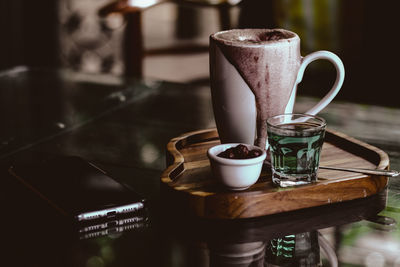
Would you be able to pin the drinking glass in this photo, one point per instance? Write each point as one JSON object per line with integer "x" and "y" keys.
{"x": 295, "y": 144}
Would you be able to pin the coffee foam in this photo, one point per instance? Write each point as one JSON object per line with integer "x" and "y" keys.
{"x": 247, "y": 37}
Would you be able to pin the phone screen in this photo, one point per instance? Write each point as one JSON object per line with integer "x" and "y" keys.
{"x": 78, "y": 188}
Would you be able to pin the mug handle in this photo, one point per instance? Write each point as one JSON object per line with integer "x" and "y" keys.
{"x": 336, "y": 86}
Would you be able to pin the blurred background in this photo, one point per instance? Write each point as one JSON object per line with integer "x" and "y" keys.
{"x": 168, "y": 39}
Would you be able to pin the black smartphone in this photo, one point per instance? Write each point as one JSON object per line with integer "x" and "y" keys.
{"x": 82, "y": 191}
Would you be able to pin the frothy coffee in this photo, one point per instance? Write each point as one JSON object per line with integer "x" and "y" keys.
{"x": 252, "y": 36}
{"x": 268, "y": 61}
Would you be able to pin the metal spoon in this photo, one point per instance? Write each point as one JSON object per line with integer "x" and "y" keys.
{"x": 391, "y": 173}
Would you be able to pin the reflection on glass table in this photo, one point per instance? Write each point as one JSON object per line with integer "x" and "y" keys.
{"x": 38, "y": 104}
{"x": 124, "y": 125}
{"x": 311, "y": 237}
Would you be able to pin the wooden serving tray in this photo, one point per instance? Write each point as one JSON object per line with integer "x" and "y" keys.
{"x": 190, "y": 186}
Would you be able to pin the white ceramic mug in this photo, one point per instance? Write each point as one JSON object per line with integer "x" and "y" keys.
{"x": 254, "y": 75}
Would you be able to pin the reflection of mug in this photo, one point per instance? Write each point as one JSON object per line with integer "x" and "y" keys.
{"x": 237, "y": 254}
{"x": 254, "y": 75}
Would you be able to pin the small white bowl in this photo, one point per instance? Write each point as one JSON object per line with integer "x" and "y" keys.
{"x": 236, "y": 174}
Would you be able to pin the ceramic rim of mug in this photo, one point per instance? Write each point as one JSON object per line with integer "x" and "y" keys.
{"x": 321, "y": 122}
{"x": 259, "y": 43}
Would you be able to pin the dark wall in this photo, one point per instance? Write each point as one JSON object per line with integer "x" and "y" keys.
{"x": 10, "y": 33}
{"x": 370, "y": 51}
{"x": 366, "y": 42}
{"x": 28, "y": 33}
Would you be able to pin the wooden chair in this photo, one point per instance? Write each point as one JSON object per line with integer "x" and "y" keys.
{"x": 134, "y": 50}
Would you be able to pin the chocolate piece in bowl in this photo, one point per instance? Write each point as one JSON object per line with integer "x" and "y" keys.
{"x": 240, "y": 152}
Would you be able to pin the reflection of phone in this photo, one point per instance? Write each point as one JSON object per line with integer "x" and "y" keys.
{"x": 113, "y": 225}
{"x": 84, "y": 192}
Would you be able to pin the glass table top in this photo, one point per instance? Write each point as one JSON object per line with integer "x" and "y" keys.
{"x": 123, "y": 125}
